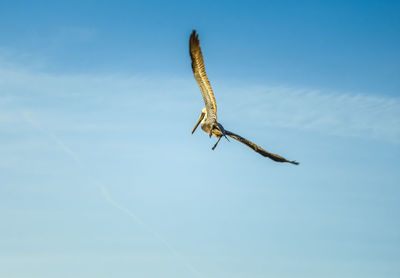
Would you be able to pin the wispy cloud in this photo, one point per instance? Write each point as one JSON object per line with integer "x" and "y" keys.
{"x": 343, "y": 114}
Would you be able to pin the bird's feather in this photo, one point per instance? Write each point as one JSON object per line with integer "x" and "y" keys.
{"x": 258, "y": 149}
{"x": 200, "y": 75}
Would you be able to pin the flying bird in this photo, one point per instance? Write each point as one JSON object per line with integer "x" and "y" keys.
{"x": 208, "y": 116}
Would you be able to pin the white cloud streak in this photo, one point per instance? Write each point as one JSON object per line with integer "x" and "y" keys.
{"x": 343, "y": 114}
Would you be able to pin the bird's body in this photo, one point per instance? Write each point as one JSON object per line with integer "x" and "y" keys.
{"x": 208, "y": 117}
{"x": 207, "y": 124}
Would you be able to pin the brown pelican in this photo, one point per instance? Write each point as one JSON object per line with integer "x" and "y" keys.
{"x": 208, "y": 116}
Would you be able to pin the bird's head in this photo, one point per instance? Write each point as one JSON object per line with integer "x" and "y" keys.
{"x": 202, "y": 115}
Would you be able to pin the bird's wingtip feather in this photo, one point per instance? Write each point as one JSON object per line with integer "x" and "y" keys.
{"x": 194, "y": 39}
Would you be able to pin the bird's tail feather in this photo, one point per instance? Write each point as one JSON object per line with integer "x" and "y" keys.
{"x": 258, "y": 149}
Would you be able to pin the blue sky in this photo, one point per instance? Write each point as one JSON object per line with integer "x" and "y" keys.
{"x": 101, "y": 177}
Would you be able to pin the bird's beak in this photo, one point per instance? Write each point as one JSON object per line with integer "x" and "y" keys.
{"x": 198, "y": 122}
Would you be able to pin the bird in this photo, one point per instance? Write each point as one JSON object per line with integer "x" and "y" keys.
{"x": 208, "y": 116}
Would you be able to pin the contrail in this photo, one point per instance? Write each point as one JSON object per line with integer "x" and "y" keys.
{"x": 140, "y": 222}
{"x": 60, "y": 143}
{"x": 105, "y": 193}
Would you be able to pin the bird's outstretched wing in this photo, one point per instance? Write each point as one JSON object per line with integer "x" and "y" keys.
{"x": 201, "y": 76}
{"x": 258, "y": 149}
